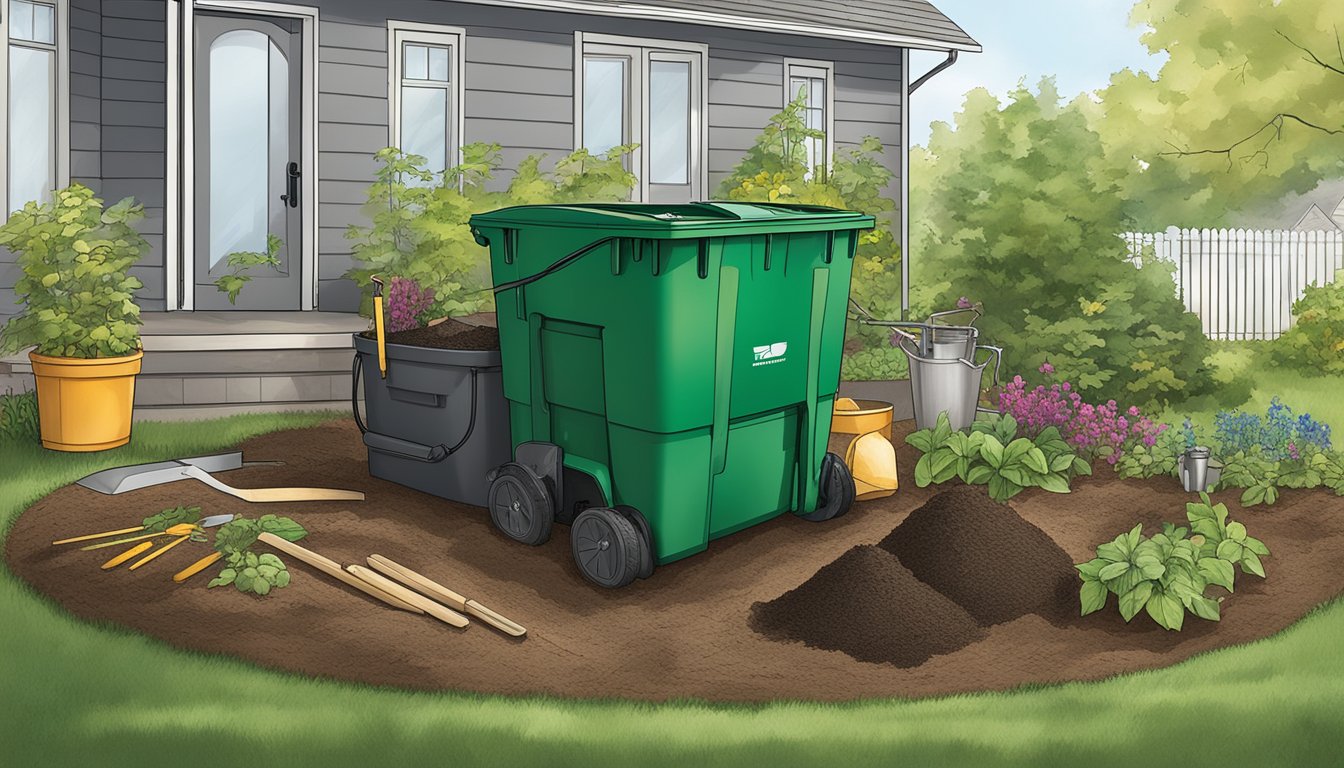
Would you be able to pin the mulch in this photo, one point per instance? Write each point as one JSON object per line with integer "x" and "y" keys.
{"x": 687, "y": 632}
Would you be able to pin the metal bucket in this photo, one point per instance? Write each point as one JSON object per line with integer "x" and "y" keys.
{"x": 947, "y": 384}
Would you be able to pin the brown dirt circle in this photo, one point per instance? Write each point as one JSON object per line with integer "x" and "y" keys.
{"x": 684, "y": 633}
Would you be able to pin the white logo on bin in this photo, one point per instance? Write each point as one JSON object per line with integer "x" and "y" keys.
{"x": 769, "y": 354}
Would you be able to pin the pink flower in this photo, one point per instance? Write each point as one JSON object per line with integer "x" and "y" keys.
{"x": 963, "y": 303}
{"x": 1046, "y": 368}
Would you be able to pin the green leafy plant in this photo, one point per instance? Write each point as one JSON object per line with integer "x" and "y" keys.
{"x": 241, "y": 261}
{"x": 77, "y": 297}
{"x": 1158, "y": 460}
{"x": 1251, "y": 471}
{"x": 19, "y": 417}
{"x": 418, "y": 226}
{"x": 878, "y": 363}
{"x": 166, "y": 519}
{"x": 1224, "y": 540}
{"x": 989, "y": 454}
{"x": 1168, "y": 574}
{"x": 1314, "y": 344}
{"x": 246, "y": 570}
{"x": 253, "y": 573}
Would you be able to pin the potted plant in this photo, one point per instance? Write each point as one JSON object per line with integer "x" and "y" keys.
{"x": 78, "y": 311}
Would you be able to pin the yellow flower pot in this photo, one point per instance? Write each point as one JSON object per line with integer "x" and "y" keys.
{"x": 85, "y": 405}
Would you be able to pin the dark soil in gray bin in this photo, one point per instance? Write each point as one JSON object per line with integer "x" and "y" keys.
{"x": 869, "y": 606}
{"x": 450, "y": 334}
{"x": 986, "y": 558}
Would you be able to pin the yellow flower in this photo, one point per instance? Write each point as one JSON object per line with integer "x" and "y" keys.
{"x": 774, "y": 194}
{"x": 1091, "y": 308}
{"x": 784, "y": 189}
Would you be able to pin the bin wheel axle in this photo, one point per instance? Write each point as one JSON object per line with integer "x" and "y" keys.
{"x": 521, "y": 506}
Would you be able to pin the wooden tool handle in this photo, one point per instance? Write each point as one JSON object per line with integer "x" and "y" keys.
{"x": 504, "y": 625}
{"x": 439, "y": 592}
{"x": 440, "y": 612}
{"x": 416, "y": 581}
{"x": 98, "y": 535}
{"x": 299, "y": 494}
{"x": 127, "y": 555}
{"x": 333, "y": 570}
{"x": 158, "y": 552}
{"x": 197, "y": 567}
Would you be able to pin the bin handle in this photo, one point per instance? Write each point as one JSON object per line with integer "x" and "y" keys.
{"x": 556, "y": 266}
{"x": 357, "y": 368}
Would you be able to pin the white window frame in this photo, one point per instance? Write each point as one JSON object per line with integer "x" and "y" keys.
{"x": 61, "y": 147}
{"x": 825, "y": 70}
{"x": 401, "y": 32}
{"x": 671, "y": 50}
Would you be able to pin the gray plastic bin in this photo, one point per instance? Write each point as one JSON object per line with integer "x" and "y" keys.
{"x": 438, "y": 423}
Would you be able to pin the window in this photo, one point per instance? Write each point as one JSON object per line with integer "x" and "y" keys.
{"x": 425, "y": 91}
{"x": 34, "y": 105}
{"x": 645, "y": 92}
{"x": 813, "y": 81}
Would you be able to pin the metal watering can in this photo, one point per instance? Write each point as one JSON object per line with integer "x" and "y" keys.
{"x": 944, "y": 374}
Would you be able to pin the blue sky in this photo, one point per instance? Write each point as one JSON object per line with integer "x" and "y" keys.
{"x": 1080, "y": 42}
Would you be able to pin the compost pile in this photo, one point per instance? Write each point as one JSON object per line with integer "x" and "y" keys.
{"x": 449, "y": 334}
{"x": 955, "y": 566}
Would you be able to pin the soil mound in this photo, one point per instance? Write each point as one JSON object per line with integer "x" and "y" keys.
{"x": 449, "y": 334}
{"x": 869, "y": 606}
{"x": 985, "y": 557}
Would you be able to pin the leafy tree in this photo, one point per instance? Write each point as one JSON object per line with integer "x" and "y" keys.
{"x": 1018, "y": 207}
{"x": 1249, "y": 106}
{"x": 775, "y": 169}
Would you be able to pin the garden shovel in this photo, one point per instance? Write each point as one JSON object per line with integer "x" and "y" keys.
{"x": 122, "y": 479}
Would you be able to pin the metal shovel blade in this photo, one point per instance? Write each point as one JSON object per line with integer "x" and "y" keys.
{"x": 122, "y": 479}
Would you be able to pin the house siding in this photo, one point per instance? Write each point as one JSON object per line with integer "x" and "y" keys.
{"x": 519, "y": 92}
{"x": 519, "y": 84}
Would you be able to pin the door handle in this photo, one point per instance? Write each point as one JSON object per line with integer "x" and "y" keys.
{"x": 291, "y": 197}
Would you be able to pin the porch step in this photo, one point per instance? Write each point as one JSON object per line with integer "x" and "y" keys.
{"x": 226, "y": 362}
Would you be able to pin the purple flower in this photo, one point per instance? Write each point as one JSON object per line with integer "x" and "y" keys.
{"x": 963, "y": 303}
{"x": 1046, "y": 368}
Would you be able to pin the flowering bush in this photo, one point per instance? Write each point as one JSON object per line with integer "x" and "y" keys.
{"x": 1279, "y": 435}
{"x": 406, "y": 302}
{"x": 1093, "y": 430}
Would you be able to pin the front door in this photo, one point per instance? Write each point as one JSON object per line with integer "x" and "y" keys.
{"x": 248, "y": 150}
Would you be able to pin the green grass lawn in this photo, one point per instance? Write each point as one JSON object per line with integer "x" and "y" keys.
{"x": 77, "y": 694}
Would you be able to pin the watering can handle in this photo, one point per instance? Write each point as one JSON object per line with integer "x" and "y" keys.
{"x": 998, "y": 359}
{"x": 958, "y": 311}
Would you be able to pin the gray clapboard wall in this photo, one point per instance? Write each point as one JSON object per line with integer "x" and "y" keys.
{"x": 519, "y": 92}
{"x": 519, "y": 84}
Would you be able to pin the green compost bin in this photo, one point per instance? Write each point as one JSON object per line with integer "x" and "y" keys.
{"x": 669, "y": 366}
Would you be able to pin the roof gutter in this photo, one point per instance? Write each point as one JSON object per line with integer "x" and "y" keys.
{"x": 905, "y": 168}
{"x": 927, "y": 76}
{"x": 715, "y": 19}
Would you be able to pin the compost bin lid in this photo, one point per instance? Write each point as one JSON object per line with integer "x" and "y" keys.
{"x": 680, "y": 220}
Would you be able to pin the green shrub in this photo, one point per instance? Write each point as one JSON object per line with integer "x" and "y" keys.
{"x": 1016, "y": 209}
{"x": 18, "y": 417}
{"x": 1260, "y": 476}
{"x": 1315, "y": 343}
{"x": 78, "y": 300}
{"x": 775, "y": 170}
{"x": 881, "y": 362}
{"x": 991, "y": 454}
{"x": 1168, "y": 574}
{"x": 418, "y": 220}
{"x": 1159, "y": 460}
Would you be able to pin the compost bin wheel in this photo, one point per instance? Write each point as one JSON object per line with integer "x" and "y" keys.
{"x": 520, "y": 505}
{"x": 645, "y": 535}
{"x": 607, "y": 547}
{"x": 837, "y": 490}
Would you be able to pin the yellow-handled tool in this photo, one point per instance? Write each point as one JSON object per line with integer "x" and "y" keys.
{"x": 127, "y": 555}
{"x": 197, "y": 567}
{"x": 379, "y": 330}
{"x": 159, "y": 551}
{"x": 92, "y": 536}
{"x": 181, "y": 529}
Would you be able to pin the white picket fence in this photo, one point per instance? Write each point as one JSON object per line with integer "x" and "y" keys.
{"x": 1242, "y": 283}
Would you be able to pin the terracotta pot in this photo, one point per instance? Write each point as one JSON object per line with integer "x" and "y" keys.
{"x": 85, "y": 404}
